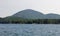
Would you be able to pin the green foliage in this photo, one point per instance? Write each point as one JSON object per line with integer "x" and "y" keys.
{"x": 29, "y": 21}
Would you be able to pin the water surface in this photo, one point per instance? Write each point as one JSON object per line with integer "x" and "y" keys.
{"x": 29, "y": 30}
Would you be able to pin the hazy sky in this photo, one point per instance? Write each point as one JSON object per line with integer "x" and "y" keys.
{"x": 9, "y": 7}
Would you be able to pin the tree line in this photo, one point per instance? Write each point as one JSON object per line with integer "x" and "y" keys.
{"x": 30, "y": 21}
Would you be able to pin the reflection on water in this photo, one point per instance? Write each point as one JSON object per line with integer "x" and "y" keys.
{"x": 29, "y": 30}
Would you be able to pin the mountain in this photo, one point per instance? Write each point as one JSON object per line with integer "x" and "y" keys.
{"x": 52, "y": 16}
{"x": 31, "y": 14}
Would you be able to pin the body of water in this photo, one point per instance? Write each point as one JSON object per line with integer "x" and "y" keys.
{"x": 29, "y": 30}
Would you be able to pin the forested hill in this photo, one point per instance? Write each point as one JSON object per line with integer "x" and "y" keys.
{"x": 29, "y": 16}
{"x": 32, "y": 14}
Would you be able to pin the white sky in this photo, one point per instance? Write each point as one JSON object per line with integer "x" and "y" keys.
{"x": 9, "y": 7}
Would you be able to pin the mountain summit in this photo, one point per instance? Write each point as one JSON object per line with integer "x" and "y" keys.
{"x": 31, "y": 14}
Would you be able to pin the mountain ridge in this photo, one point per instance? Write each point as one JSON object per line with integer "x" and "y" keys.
{"x": 30, "y": 17}
{"x": 32, "y": 14}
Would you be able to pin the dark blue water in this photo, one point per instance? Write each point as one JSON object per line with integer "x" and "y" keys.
{"x": 29, "y": 30}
